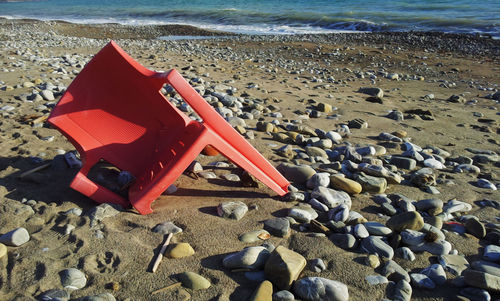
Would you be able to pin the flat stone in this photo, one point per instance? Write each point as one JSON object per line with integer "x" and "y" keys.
{"x": 487, "y": 267}
{"x": 317, "y": 265}
{"x": 492, "y": 253}
{"x": 16, "y": 237}
{"x": 251, "y": 258}
{"x": 284, "y": 266}
{"x": 372, "y": 91}
{"x": 103, "y": 211}
{"x": 454, "y": 264}
{"x": 179, "y": 250}
{"x": 318, "y": 205}
{"x": 394, "y": 271}
{"x": 264, "y": 292}
{"x": 455, "y": 206}
{"x": 345, "y": 184}
{"x": 475, "y": 227}
{"x": 360, "y": 231}
{"x": 304, "y": 215}
{"x": 194, "y": 281}
{"x": 232, "y": 210}
{"x": 314, "y": 151}
{"x": 339, "y": 213}
{"x": 283, "y": 295}
{"x": 321, "y": 289}
{"x": 403, "y": 162}
{"x": 433, "y": 163}
{"x": 254, "y": 236}
{"x": 167, "y": 228}
{"x": 482, "y": 280}
{"x": 278, "y": 226}
{"x": 372, "y": 184}
{"x": 343, "y": 241}
{"x": 375, "y": 245}
{"x": 422, "y": 281}
{"x": 256, "y": 276}
{"x": 376, "y": 228}
{"x": 357, "y": 123}
{"x": 436, "y": 273}
{"x": 388, "y": 209}
{"x": 376, "y": 279}
{"x": 298, "y": 174}
{"x": 438, "y": 247}
{"x": 475, "y": 294}
{"x": 407, "y": 220}
{"x": 330, "y": 197}
{"x": 73, "y": 279}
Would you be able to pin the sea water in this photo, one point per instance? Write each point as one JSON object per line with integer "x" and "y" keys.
{"x": 274, "y": 16}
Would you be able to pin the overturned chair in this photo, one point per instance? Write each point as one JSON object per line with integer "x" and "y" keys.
{"x": 114, "y": 111}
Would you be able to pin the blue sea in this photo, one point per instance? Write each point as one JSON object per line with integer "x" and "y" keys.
{"x": 274, "y": 16}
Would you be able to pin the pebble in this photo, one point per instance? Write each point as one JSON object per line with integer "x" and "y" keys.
{"x": 318, "y": 205}
{"x": 284, "y": 267}
{"x": 54, "y": 294}
{"x": 254, "y": 236}
{"x": 403, "y": 162}
{"x": 455, "y": 206}
{"x": 407, "y": 220}
{"x": 360, "y": 231}
{"x": 179, "y": 250}
{"x": 99, "y": 297}
{"x": 475, "y": 227}
{"x": 484, "y": 183}
{"x": 250, "y": 257}
{"x": 194, "y": 281}
{"x": 394, "y": 271}
{"x": 371, "y": 184}
{"x": 103, "y": 211}
{"x": 47, "y": 95}
{"x": 433, "y": 163}
{"x": 73, "y": 279}
{"x": 232, "y": 210}
{"x": 167, "y": 228}
{"x": 432, "y": 206}
{"x": 372, "y": 91}
{"x": 317, "y": 288}
{"x": 318, "y": 179}
{"x": 436, "y": 273}
{"x": 330, "y": 197}
{"x": 422, "y": 281}
{"x": 492, "y": 253}
{"x": 402, "y": 291}
{"x": 278, "y": 226}
{"x": 487, "y": 267}
{"x": 438, "y": 247}
{"x": 376, "y": 279}
{"x": 302, "y": 214}
{"x": 283, "y": 295}
{"x": 317, "y": 265}
{"x": 264, "y": 292}
{"x": 343, "y": 241}
{"x": 3, "y": 250}
{"x": 375, "y": 228}
{"x": 345, "y": 184}
{"x": 372, "y": 260}
{"x": 16, "y": 237}
{"x": 475, "y": 294}
{"x": 405, "y": 253}
{"x": 298, "y": 174}
{"x": 375, "y": 245}
{"x": 482, "y": 280}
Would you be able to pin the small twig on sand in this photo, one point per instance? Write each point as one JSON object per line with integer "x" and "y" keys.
{"x": 29, "y": 172}
{"x": 171, "y": 286}
{"x": 160, "y": 255}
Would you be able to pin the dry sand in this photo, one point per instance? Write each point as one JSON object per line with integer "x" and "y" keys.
{"x": 32, "y": 51}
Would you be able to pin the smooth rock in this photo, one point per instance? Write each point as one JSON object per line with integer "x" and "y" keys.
{"x": 284, "y": 266}
{"x": 318, "y": 205}
{"x": 492, "y": 253}
{"x": 407, "y": 220}
{"x": 330, "y": 197}
{"x": 179, "y": 250}
{"x": 436, "y": 273}
{"x": 412, "y": 237}
{"x": 283, "y": 295}
{"x": 475, "y": 227}
{"x": 394, "y": 271}
{"x": 194, "y": 281}
{"x": 73, "y": 279}
{"x": 318, "y": 179}
{"x": 375, "y": 245}
{"x": 438, "y": 247}
{"x": 320, "y": 289}
{"x": 402, "y": 291}
{"x": 403, "y": 162}
{"x": 344, "y": 241}
{"x": 453, "y": 264}
{"x": 345, "y": 184}
{"x": 339, "y": 213}
{"x": 167, "y": 228}
{"x": 475, "y": 294}
{"x": 317, "y": 265}
{"x": 375, "y": 228}
{"x": 455, "y": 206}
{"x": 264, "y": 292}
{"x": 376, "y": 279}
{"x": 371, "y": 184}
{"x": 486, "y": 267}
{"x": 372, "y": 91}
{"x": 54, "y": 294}
{"x": 232, "y": 210}
{"x": 432, "y": 206}
{"x": 254, "y": 236}
{"x": 482, "y": 280}
{"x": 485, "y": 183}
{"x": 298, "y": 174}
{"x": 372, "y": 260}
{"x": 360, "y": 231}
{"x": 405, "y": 253}
{"x": 302, "y": 214}
{"x": 3, "y": 250}
{"x": 99, "y": 297}
{"x": 103, "y": 211}
{"x": 422, "y": 281}
{"x": 251, "y": 258}
{"x": 16, "y": 237}
{"x": 433, "y": 163}
{"x": 278, "y": 226}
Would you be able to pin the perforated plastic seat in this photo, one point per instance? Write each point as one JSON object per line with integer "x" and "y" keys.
{"x": 113, "y": 110}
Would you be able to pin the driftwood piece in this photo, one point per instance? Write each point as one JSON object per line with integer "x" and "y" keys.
{"x": 171, "y": 286}
{"x": 160, "y": 254}
{"x": 33, "y": 170}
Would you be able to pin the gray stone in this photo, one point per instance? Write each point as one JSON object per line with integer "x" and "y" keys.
{"x": 103, "y": 211}
{"x": 487, "y": 267}
{"x": 475, "y": 294}
{"x": 484, "y": 183}
{"x": 318, "y": 205}
{"x": 412, "y": 237}
{"x": 455, "y": 206}
{"x": 376, "y": 279}
{"x": 492, "y": 253}
{"x": 403, "y": 162}
{"x": 254, "y": 236}
{"x": 330, "y": 197}
{"x": 402, "y": 291}
{"x": 47, "y": 95}
{"x": 318, "y": 179}
{"x": 371, "y": 184}
{"x": 298, "y": 174}
{"x": 375, "y": 228}
{"x": 278, "y": 226}
{"x": 436, "y": 273}
{"x": 482, "y": 280}
{"x": 438, "y": 247}
{"x": 54, "y": 294}
{"x": 73, "y": 279}
{"x": 303, "y": 213}
{"x": 99, "y": 297}
{"x": 317, "y": 265}
{"x": 257, "y": 276}
{"x": 388, "y": 209}
{"x": 344, "y": 241}
{"x": 394, "y": 271}
{"x": 193, "y": 281}
{"x": 339, "y": 213}
{"x": 251, "y": 258}
{"x": 372, "y": 91}
{"x": 405, "y": 253}
{"x": 233, "y": 210}
{"x": 284, "y": 267}
{"x": 16, "y": 237}
{"x": 320, "y": 289}
{"x": 422, "y": 281}
{"x": 360, "y": 231}
{"x": 432, "y": 206}
{"x": 283, "y": 295}
{"x": 167, "y": 228}
{"x": 469, "y": 168}
{"x": 375, "y": 245}
{"x": 407, "y": 220}
{"x": 454, "y": 264}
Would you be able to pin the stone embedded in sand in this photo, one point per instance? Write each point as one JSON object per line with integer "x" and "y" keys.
{"x": 103, "y": 211}
{"x": 345, "y": 184}
{"x": 193, "y": 281}
{"x": 284, "y": 266}
{"x": 376, "y": 279}
{"x": 317, "y": 265}
{"x": 375, "y": 245}
{"x": 99, "y": 297}
{"x": 47, "y": 95}
{"x": 251, "y": 257}
{"x": 404, "y": 162}
{"x": 278, "y": 226}
{"x": 54, "y": 294}
{"x": 343, "y": 241}
{"x": 373, "y": 91}
{"x": 457, "y": 99}
{"x": 302, "y": 214}
{"x": 73, "y": 279}
{"x": 407, "y": 220}
{"x": 16, "y": 237}
{"x": 167, "y": 228}
{"x": 433, "y": 163}
{"x": 264, "y": 292}
{"x": 455, "y": 205}
{"x": 372, "y": 260}
{"x": 298, "y": 174}
{"x": 233, "y": 210}
{"x": 318, "y": 288}
{"x": 253, "y": 236}
{"x": 179, "y": 250}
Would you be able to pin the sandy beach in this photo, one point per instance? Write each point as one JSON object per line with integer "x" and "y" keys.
{"x": 437, "y": 91}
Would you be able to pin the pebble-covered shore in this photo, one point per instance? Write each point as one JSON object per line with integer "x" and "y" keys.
{"x": 390, "y": 142}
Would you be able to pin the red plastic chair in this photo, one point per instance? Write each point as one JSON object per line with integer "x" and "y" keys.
{"x": 114, "y": 111}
